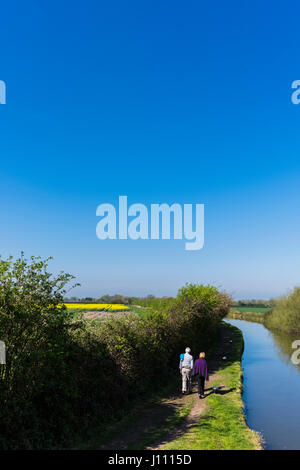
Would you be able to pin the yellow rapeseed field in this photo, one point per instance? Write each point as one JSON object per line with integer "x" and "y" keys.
{"x": 96, "y": 306}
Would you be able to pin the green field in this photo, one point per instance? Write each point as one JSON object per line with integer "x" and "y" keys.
{"x": 252, "y": 309}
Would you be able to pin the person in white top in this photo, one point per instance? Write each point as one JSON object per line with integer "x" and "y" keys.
{"x": 186, "y": 365}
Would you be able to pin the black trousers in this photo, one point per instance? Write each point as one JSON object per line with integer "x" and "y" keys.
{"x": 201, "y": 382}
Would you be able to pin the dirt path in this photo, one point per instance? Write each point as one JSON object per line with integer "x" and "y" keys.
{"x": 154, "y": 417}
{"x": 151, "y": 419}
{"x": 192, "y": 419}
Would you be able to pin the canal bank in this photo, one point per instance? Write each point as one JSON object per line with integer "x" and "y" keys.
{"x": 271, "y": 385}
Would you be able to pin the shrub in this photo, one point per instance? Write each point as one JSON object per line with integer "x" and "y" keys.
{"x": 285, "y": 314}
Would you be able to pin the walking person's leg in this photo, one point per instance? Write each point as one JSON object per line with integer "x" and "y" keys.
{"x": 203, "y": 384}
{"x": 189, "y": 380}
{"x": 199, "y": 385}
{"x": 184, "y": 380}
{"x": 201, "y": 381}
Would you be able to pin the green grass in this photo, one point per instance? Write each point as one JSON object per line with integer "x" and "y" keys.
{"x": 247, "y": 316}
{"x": 143, "y": 312}
{"x": 222, "y": 426}
{"x": 252, "y": 309}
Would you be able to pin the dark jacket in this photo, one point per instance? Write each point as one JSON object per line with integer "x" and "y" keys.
{"x": 200, "y": 368}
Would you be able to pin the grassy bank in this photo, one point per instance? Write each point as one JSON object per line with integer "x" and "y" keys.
{"x": 223, "y": 426}
{"x": 247, "y": 316}
{"x": 251, "y": 309}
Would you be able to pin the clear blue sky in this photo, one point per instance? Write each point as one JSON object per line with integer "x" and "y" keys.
{"x": 163, "y": 101}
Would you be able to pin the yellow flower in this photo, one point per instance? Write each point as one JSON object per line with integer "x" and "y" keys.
{"x": 96, "y": 306}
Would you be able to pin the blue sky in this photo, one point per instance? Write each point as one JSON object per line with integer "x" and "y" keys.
{"x": 163, "y": 102}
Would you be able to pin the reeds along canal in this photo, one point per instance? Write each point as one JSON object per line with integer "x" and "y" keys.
{"x": 271, "y": 385}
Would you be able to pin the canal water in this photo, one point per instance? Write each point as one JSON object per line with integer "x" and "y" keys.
{"x": 271, "y": 385}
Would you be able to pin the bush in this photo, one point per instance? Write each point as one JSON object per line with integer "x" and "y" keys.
{"x": 285, "y": 314}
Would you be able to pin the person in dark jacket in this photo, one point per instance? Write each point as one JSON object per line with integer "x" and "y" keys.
{"x": 200, "y": 370}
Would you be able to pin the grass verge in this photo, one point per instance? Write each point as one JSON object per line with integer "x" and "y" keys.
{"x": 222, "y": 426}
{"x": 251, "y": 309}
{"x": 247, "y": 316}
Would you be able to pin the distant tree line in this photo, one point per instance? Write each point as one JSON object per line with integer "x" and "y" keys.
{"x": 152, "y": 301}
{"x": 104, "y": 299}
{"x": 148, "y": 301}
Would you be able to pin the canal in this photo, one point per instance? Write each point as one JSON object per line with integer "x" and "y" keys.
{"x": 271, "y": 385}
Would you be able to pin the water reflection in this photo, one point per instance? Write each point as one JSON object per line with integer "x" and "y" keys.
{"x": 283, "y": 343}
